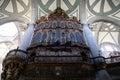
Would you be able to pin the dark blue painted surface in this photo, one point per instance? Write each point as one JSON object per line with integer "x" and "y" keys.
{"x": 58, "y": 31}
{"x": 78, "y": 37}
{"x": 44, "y": 37}
{"x": 72, "y": 38}
{"x": 37, "y": 38}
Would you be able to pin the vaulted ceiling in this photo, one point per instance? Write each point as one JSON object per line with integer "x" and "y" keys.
{"x": 102, "y": 15}
{"x": 21, "y": 9}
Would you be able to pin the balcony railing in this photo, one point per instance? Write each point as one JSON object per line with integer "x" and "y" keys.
{"x": 62, "y": 58}
{"x": 112, "y": 59}
{"x": 58, "y": 59}
{"x": 17, "y": 53}
{"x": 72, "y": 59}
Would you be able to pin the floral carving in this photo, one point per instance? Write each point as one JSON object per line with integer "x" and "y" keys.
{"x": 11, "y": 69}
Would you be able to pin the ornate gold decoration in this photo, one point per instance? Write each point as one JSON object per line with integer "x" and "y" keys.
{"x": 12, "y": 68}
{"x": 57, "y": 15}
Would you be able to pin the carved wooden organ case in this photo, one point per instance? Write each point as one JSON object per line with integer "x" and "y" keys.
{"x": 57, "y": 50}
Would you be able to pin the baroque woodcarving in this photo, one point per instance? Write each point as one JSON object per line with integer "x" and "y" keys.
{"x": 12, "y": 68}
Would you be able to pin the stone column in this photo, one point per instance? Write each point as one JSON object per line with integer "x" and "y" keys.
{"x": 88, "y": 35}
{"x": 34, "y": 11}
{"x": 26, "y": 40}
{"x": 91, "y": 42}
{"x": 101, "y": 74}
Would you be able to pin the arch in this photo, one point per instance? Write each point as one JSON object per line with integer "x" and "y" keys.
{"x": 14, "y": 19}
{"x": 104, "y": 19}
{"x": 37, "y": 38}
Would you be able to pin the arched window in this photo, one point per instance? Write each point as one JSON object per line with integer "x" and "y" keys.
{"x": 78, "y": 37}
{"x": 37, "y": 37}
{"x": 44, "y": 37}
{"x": 72, "y": 38}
